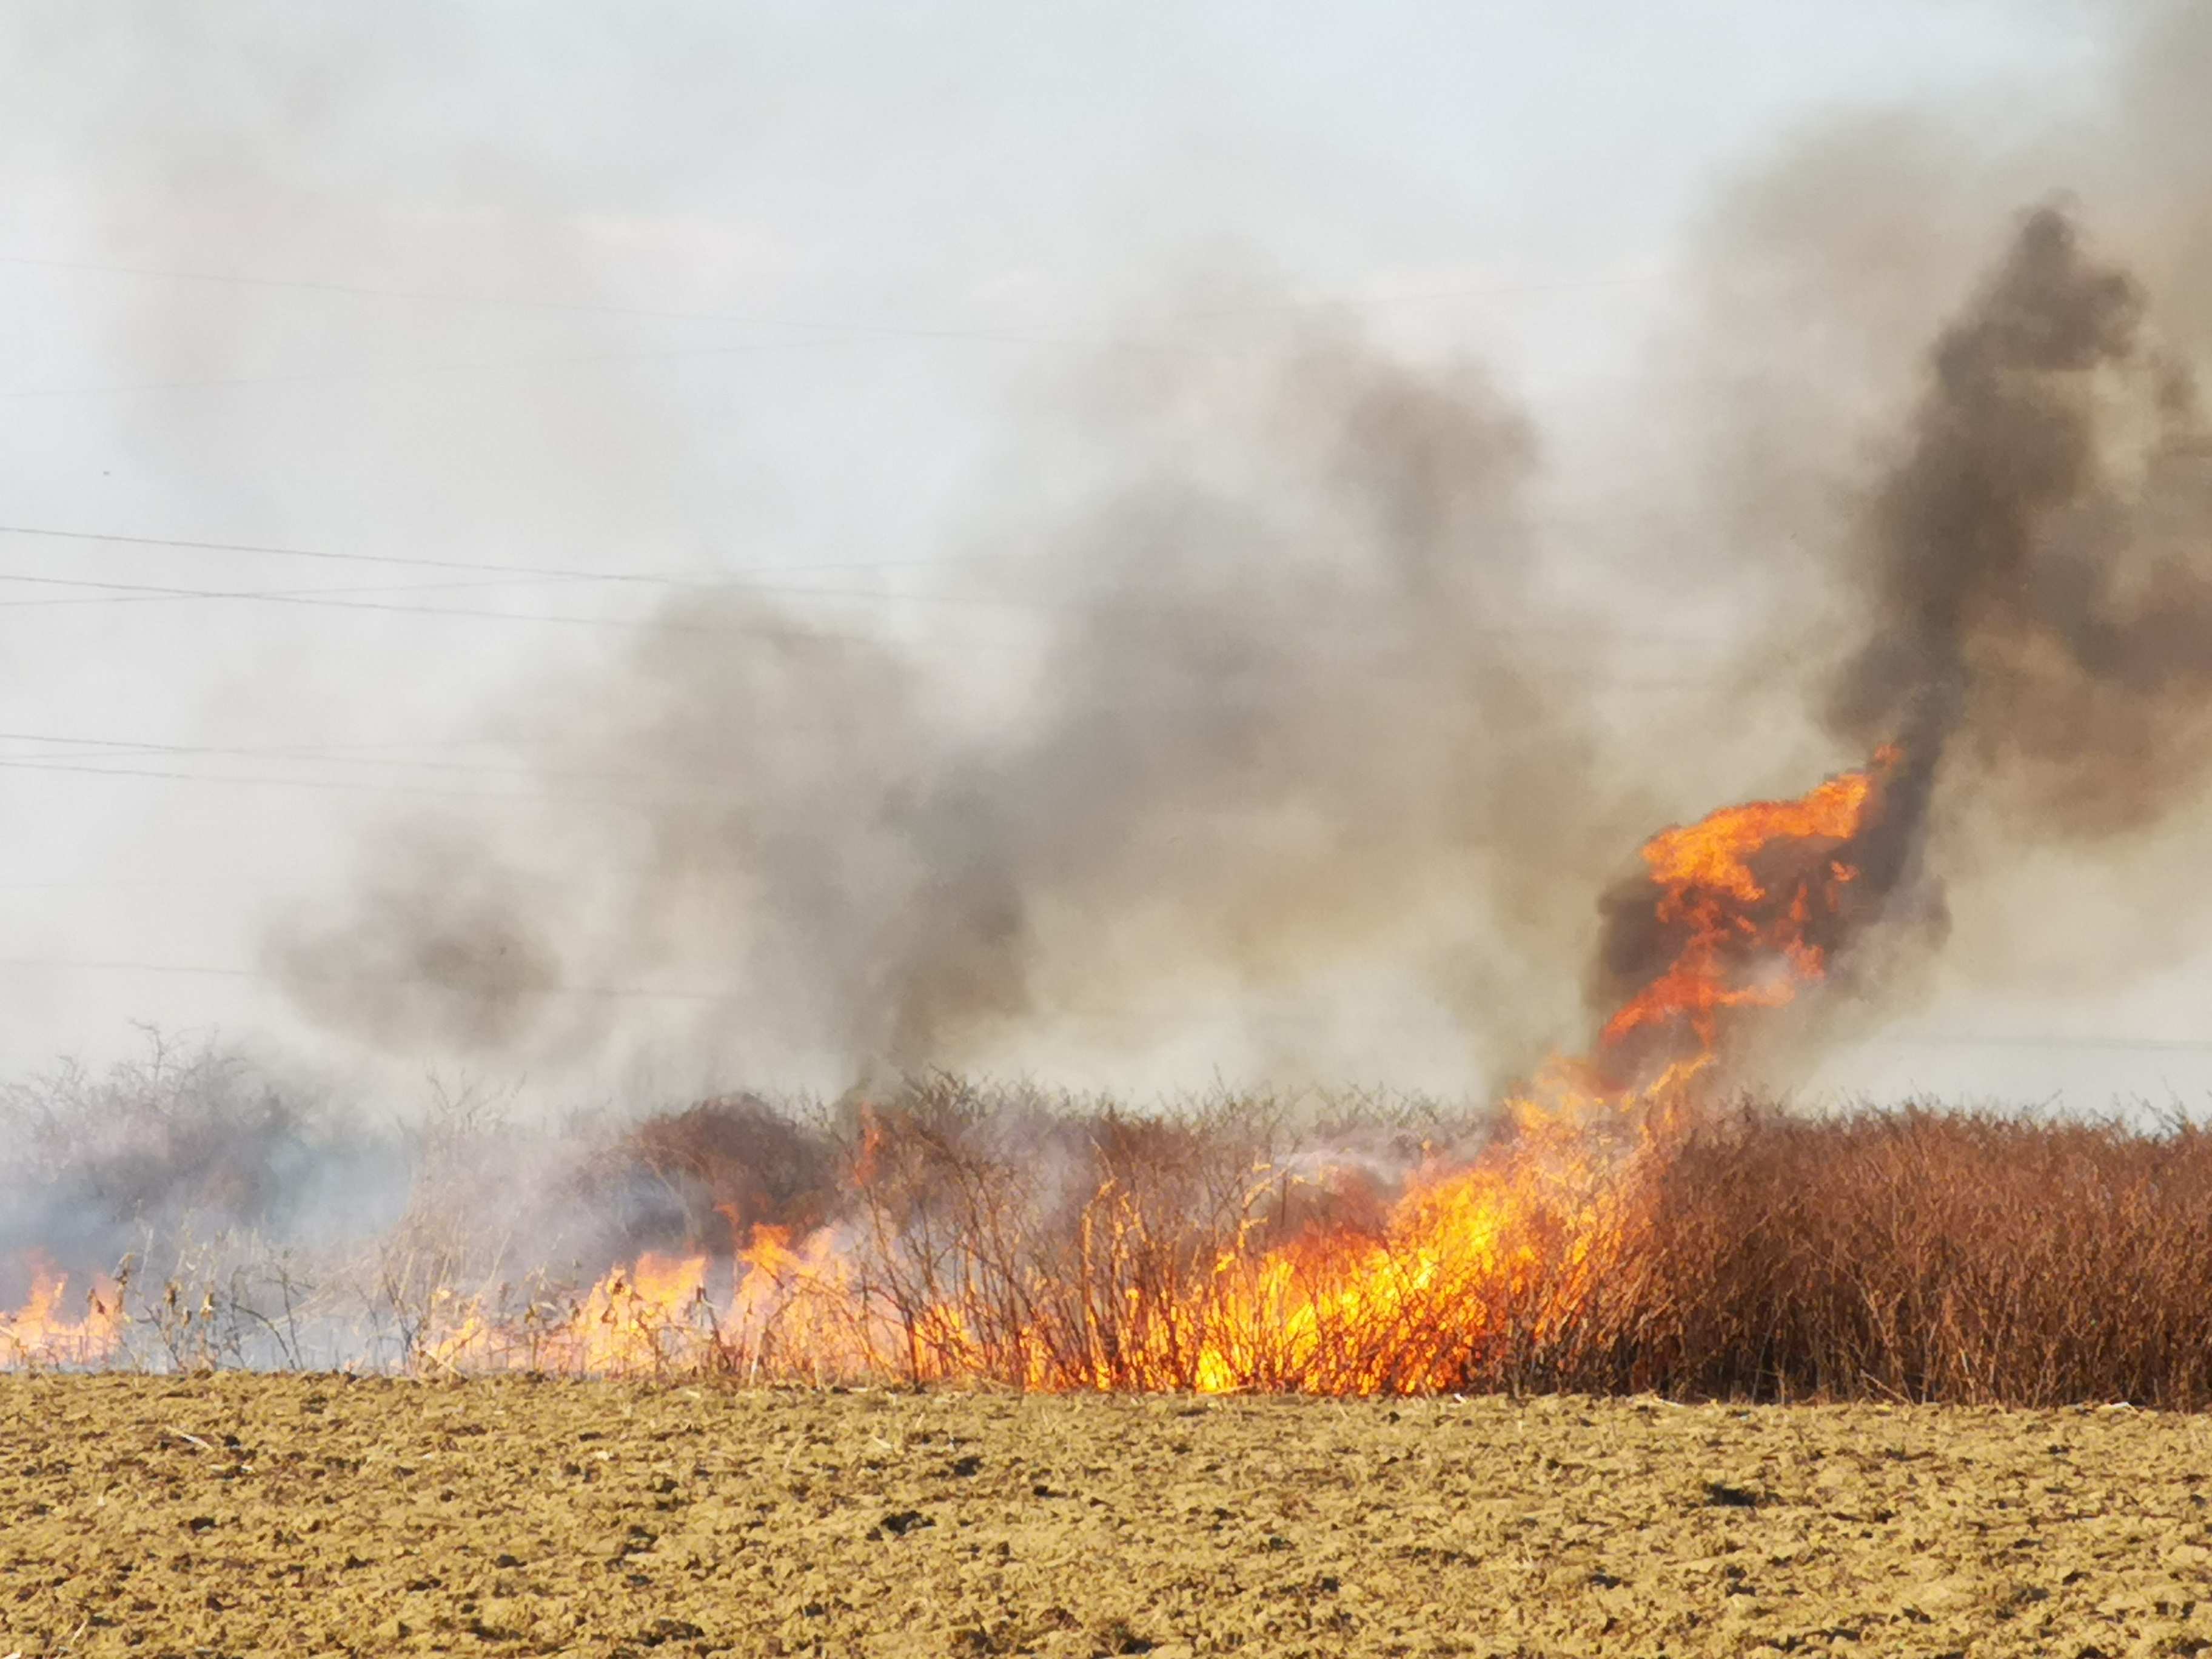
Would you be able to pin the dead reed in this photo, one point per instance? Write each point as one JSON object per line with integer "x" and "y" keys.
{"x": 949, "y": 1232}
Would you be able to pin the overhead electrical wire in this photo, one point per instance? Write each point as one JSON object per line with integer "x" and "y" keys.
{"x": 480, "y": 567}
{"x": 518, "y": 302}
{"x": 736, "y": 580}
{"x": 651, "y": 993}
{"x": 803, "y": 333}
{"x": 215, "y": 971}
{"x": 764, "y": 627}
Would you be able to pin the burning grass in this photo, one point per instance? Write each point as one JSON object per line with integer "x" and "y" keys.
{"x": 962, "y": 1235}
{"x": 1606, "y": 1231}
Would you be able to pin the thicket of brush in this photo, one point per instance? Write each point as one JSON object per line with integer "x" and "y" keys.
{"x": 1016, "y": 1237}
{"x": 1921, "y": 1254}
{"x": 1051, "y": 1244}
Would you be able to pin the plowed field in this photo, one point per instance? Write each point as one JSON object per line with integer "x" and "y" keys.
{"x": 238, "y": 1515}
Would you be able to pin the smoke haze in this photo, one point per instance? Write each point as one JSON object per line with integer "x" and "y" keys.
{"x": 679, "y": 597}
{"x": 1300, "y": 699}
{"x": 1216, "y": 677}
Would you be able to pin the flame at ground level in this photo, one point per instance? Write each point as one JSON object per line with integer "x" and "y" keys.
{"x": 46, "y": 1331}
{"x": 942, "y": 1275}
{"x": 1410, "y": 1306}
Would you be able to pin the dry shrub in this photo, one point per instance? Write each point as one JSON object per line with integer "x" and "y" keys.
{"x": 947, "y": 1231}
{"x": 709, "y": 1174}
{"x": 1037, "y": 1241}
{"x": 1933, "y": 1255}
{"x": 1026, "y": 1240}
{"x": 1919, "y": 1254}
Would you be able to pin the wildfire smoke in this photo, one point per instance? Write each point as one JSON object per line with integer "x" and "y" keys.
{"x": 1474, "y": 1255}
{"x": 1264, "y": 742}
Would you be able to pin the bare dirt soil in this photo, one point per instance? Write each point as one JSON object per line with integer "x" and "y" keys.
{"x": 254, "y": 1514}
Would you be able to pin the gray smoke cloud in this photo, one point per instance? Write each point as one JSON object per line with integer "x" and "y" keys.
{"x": 2032, "y": 581}
{"x": 2037, "y": 579}
{"x": 1297, "y": 696}
{"x": 1938, "y": 373}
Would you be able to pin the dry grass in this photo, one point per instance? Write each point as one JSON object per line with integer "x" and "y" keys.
{"x": 1922, "y": 1254}
{"x": 958, "y": 1232}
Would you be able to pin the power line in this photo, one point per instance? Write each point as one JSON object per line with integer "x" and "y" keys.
{"x": 102, "y": 764}
{"x": 341, "y": 785}
{"x": 164, "y": 596}
{"x": 480, "y": 566}
{"x": 333, "y": 598}
{"x": 597, "y": 307}
{"x": 362, "y": 290}
{"x": 736, "y": 581}
{"x": 645, "y": 993}
{"x": 205, "y": 970}
{"x": 330, "y": 754}
{"x": 804, "y": 332}
{"x": 1982, "y": 1040}
{"x": 73, "y": 758}
{"x": 432, "y": 371}
{"x": 73, "y": 749}
{"x": 760, "y": 627}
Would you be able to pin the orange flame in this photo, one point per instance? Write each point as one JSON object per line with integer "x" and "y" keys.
{"x": 41, "y": 1332}
{"x": 1752, "y": 899}
{"x": 649, "y": 1317}
{"x": 1748, "y": 936}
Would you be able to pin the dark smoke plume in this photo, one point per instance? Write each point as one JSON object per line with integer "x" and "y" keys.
{"x": 2034, "y": 582}
{"x": 1298, "y": 699}
{"x": 1300, "y": 695}
{"x": 2038, "y": 583}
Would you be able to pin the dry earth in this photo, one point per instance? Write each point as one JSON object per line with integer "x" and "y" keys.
{"x": 238, "y": 1515}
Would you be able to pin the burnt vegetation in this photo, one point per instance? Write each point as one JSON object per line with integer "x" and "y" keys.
{"x": 948, "y": 1233}
{"x": 1970, "y": 1257}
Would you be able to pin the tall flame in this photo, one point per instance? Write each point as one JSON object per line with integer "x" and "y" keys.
{"x": 1752, "y": 892}
{"x": 1738, "y": 912}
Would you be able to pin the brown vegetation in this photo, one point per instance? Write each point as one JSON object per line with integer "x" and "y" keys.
{"x": 1971, "y": 1257}
{"x": 953, "y": 1233}
{"x": 1921, "y": 1255}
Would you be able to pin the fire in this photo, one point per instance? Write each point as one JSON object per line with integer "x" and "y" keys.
{"x": 1303, "y": 1281}
{"x": 1753, "y": 898}
{"x": 1751, "y": 891}
{"x": 650, "y": 1317}
{"x": 44, "y": 1331}
{"x": 1742, "y": 910}
{"x": 658, "y": 1316}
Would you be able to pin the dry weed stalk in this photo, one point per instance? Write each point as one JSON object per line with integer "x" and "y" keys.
{"x": 950, "y": 1232}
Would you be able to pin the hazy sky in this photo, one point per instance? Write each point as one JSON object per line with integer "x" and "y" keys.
{"x": 713, "y": 289}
